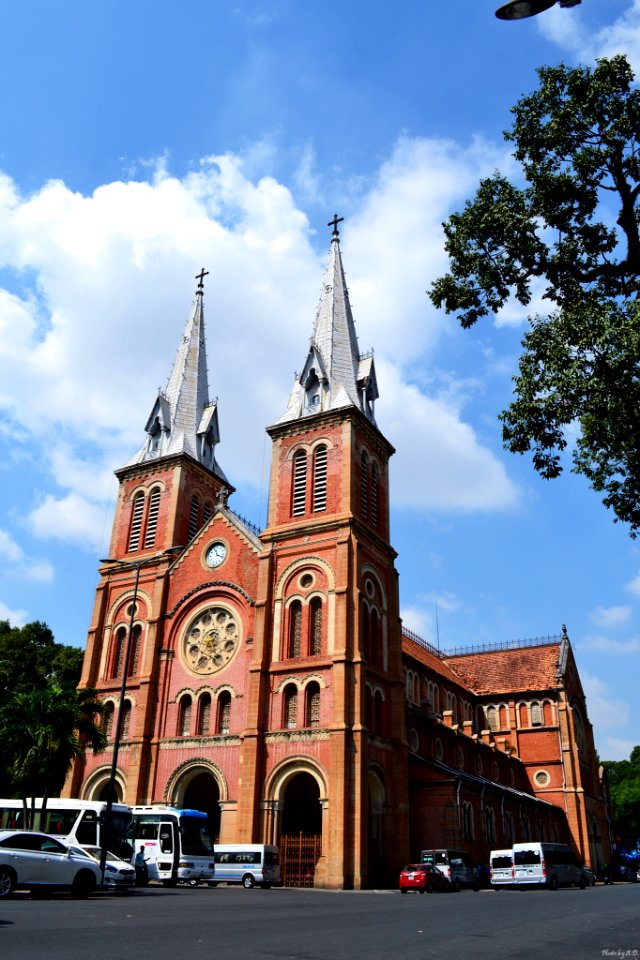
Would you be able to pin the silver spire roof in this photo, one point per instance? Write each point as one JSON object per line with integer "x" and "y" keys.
{"x": 182, "y": 419}
{"x": 335, "y": 375}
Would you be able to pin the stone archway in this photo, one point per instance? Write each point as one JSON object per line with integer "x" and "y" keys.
{"x": 199, "y": 786}
{"x": 376, "y": 838}
{"x": 300, "y": 830}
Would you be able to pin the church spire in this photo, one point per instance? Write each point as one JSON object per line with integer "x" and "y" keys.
{"x": 182, "y": 419}
{"x": 334, "y": 375}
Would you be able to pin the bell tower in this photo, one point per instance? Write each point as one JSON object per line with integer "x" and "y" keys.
{"x": 330, "y": 585}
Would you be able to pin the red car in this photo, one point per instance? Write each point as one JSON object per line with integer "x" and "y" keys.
{"x": 423, "y": 878}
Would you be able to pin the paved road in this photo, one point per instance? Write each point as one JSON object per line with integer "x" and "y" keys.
{"x": 229, "y": 923}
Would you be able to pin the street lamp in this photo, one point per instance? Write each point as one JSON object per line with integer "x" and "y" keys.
{"x": 111, "y": 788}
{"x": 520, "y": 9}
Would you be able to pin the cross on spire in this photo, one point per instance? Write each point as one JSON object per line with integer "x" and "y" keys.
{"x": 200, "y": 278}
{"x": 334, "y": 223}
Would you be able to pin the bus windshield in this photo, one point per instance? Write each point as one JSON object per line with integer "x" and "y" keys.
{"x": 195, "y": 836}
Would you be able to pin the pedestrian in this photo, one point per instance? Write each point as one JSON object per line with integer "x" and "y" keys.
{"x": 142, "y": 872}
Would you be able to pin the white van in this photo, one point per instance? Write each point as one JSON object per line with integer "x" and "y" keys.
{"x": 501, "y": 868}
{"x": 546, "y": 864}
{"x": 251, "y": 864}
{"x": 456, "y": 865}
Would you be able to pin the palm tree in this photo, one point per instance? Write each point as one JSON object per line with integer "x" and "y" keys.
{"x": 45, "y": 730}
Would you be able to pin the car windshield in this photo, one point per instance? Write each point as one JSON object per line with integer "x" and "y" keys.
{"x": 93, "y": 852}
{"x": 412, "y": 867}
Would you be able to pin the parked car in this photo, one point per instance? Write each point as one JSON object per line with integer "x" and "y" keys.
{"x": 589, "y": 876}
{"x": 33, "y": 861}
{"x": 118, "y": 874}
{"x": 457, "y": 866}
{"x": 423, "y": 878}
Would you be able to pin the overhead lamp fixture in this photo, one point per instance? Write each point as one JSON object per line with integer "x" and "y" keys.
{"x": 520, "y": 9}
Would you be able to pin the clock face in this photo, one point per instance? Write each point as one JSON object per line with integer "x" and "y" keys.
{"x": 211, "y": 640}
{"x": 216, "y": 553}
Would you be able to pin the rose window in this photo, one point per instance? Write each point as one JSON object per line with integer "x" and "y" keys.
{"x": 211, "y": 640}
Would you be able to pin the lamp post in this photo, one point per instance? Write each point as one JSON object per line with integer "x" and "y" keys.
{"x": 111, "y": 789}
{"x": 520, "y": 9}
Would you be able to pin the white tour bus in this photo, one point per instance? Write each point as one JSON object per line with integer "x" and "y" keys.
{"x": 546, "y": 864}
{"x": 81, "y": 822}
{"x": 501, "y": 868}
{"x": 177, "y": 844}
{"x": 251, "y": 864}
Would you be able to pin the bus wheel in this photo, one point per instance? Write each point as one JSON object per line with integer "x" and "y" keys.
{"x": 194, "y": 883}
{"x": 212, "y": 883}
{"x": 247, "y": 881}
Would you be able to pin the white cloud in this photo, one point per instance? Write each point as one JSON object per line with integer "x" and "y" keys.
{"x": 614, "y": 647}
{"x": 613, "y": 748}
{"x": 84, "y": 349}
{"x": 603, "y": 708}
{"x": 570, "y": 30}
{"x": 634, "y": 586}
{"x": 9, "y": 549}
{"x": 419, "y": 621}
{"x": 17, "y": 618}
{"x": 610, "y": 616}
{"x": 19, "y": 564}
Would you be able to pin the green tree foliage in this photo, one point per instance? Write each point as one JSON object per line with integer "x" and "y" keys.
{"x": 573, "y": 227}
{"x": 623, "y": 777}
{"x": 45, "y": 730}
{"x": 44, "y": 720}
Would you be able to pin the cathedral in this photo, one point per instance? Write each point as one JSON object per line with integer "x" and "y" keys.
{"x": 267, "y": 677}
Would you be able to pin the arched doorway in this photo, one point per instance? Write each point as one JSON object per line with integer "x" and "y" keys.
{"x": 376, "y": 846}
{"x": 198, "y": 789}
{"x": 300, "y": 830}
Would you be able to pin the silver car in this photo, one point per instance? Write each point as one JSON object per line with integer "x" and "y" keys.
{"x": 118, "y": 874}
{"x": 32, "y": 861}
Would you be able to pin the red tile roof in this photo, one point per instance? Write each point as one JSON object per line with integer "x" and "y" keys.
{"x": 520, "y": 669}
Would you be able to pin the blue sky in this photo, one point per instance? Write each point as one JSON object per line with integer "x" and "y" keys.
{"x": 141, "y": 141}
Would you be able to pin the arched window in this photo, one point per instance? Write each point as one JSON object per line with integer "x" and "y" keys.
{"x": 467, "y": 821}
{"x": 368, "y": 708}
{"x": 320, "y": 479}
{"x": 184, "y": 717}
{"x": 436, "y": 698}
{"x": 549, "y": 718}
{"x": 508, "y": 828}
{"x": 299, "y": 499}
{"x": 315, "y": 627}
{"x": 290, "y": 706}
{"x": 536, "y": 714}
{"x": 374, "y": 494}
{"x": 134, "y": 654}
{"x": 136, "y": 521}
{"x": 376, "y": 639}
{"x": 152, "y": 518}
{"x": 117, "y": 652}
{"x": 523, "y": 715}
{"x": 490, "y": 824}
{"x": 107, "y": 720}
{"x": 492, "y": 718}
{"x": 312, "y": 705}
{"x": 204, "y": 714}
{"x": 194, "y": 516}
{"x": 364, "y": 484}
{"x": 502, "y": 717}
{"x": 366, "y": 630}
{"x": 295, "y": 628}
{"x": 378, "y": 713}
{"x": 126, "y": 720}
{"x": 224, "y": 712}
{"x": 525, "y": 826}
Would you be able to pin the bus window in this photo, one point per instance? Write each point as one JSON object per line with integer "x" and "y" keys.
{"x": 166, "y": 840}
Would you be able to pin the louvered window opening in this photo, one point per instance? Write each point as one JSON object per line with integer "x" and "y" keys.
{"x": 374, "y": 495}
{"x": 126, "y": 720}
{"x": 364, "y": 484}
{"x": 136, "y": 522}
{"x": 152, "y": 519}
{"x": 118, "y": 653}
{"x": 107, "y": 721}
{"x": 207, "y": 510}
{"x": 205, "y": 714}
{"x": 185, "y": 717}
{"x": 194, "y": 514}
{"x": 225, "y": 712}
{"x": 316, "y": 627}
{"x": 313, "y": 705}
{"x": 299, "y": 483}
{"x": 320, "y": 480}
{"x": 134, "y": 656}
{"x": 295, "y": 629}
{"x": 291, "y": 707}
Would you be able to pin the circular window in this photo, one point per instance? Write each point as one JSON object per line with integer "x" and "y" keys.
{"x": 460, "y": 758}
{"x": 542, "y": 778}
{"x": 414, "y": 740}
{"x": 132, "y": 610}
{"x": 306, "y": 580}
{"x": 370, "y": 588}
{"x": 437, "y": 749}
{"x": 211, "y": 640}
